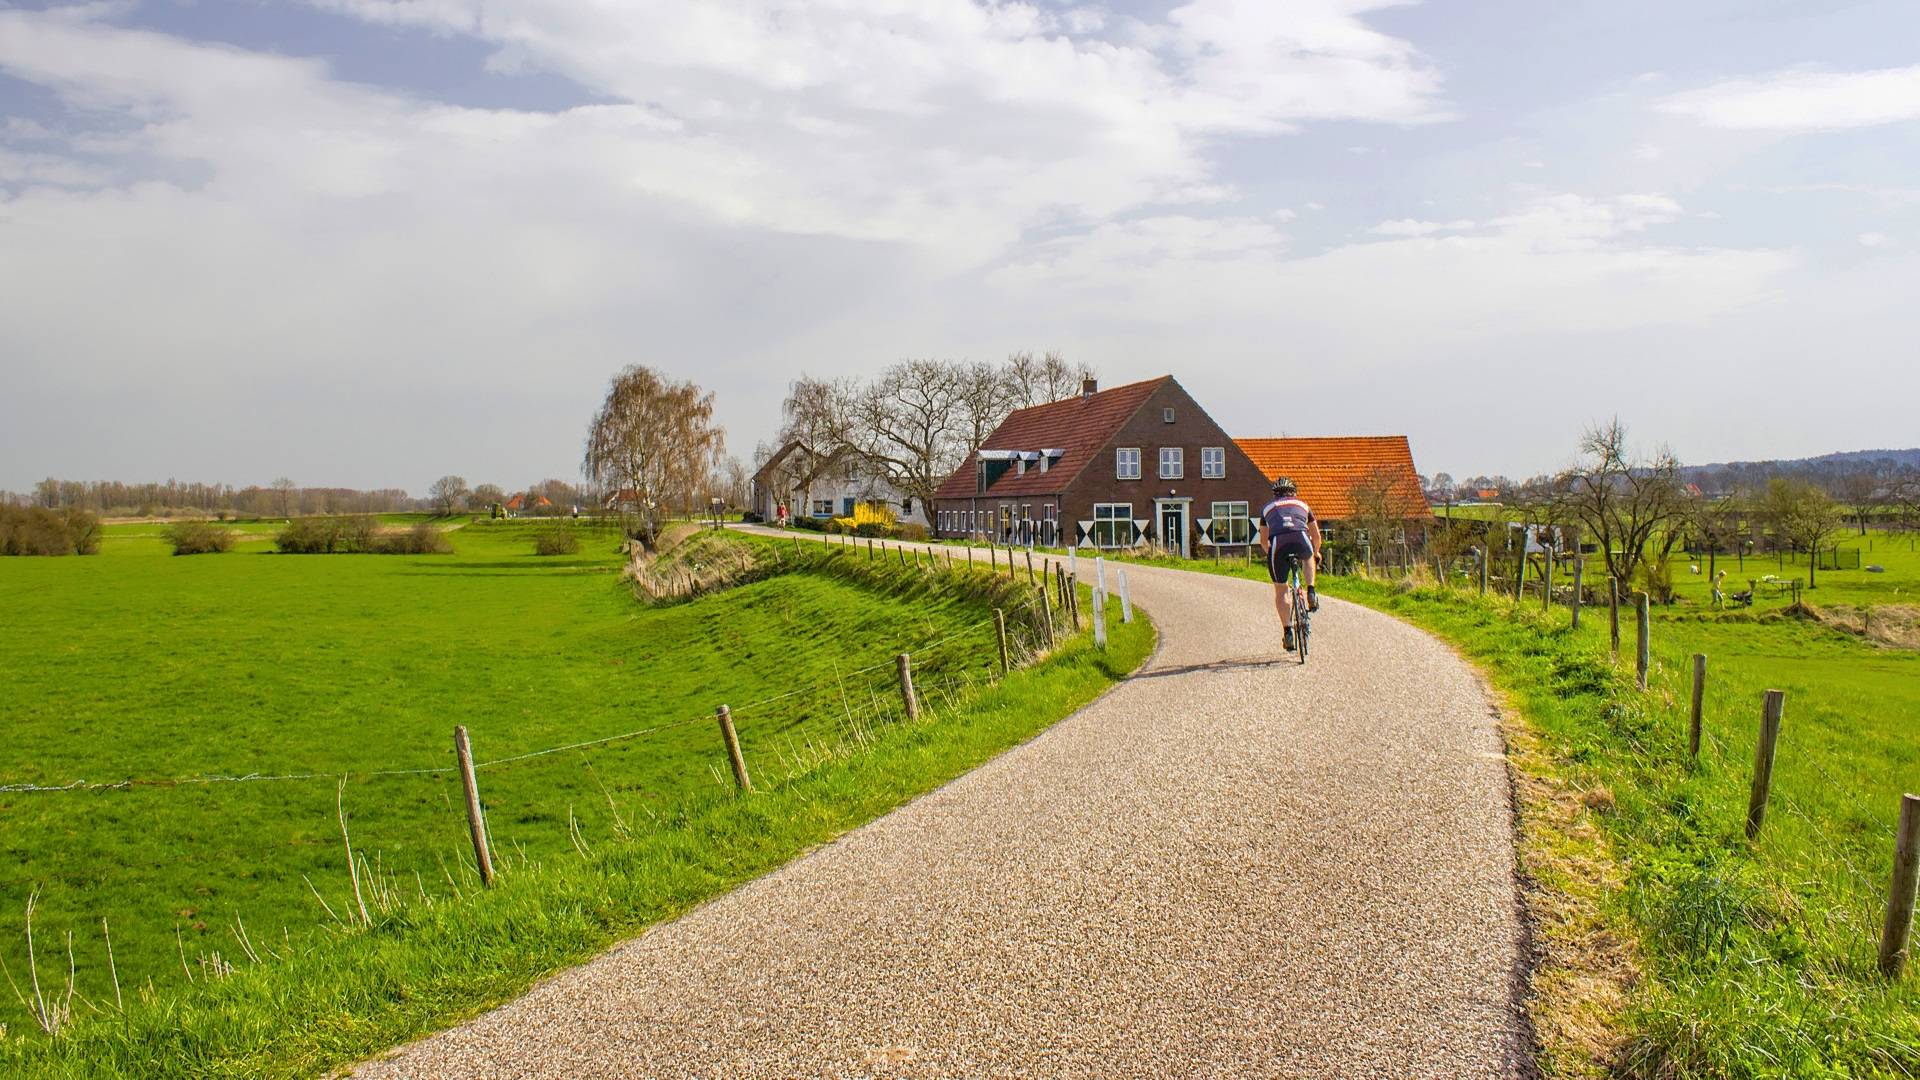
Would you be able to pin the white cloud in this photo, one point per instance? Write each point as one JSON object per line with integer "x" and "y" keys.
{"x": 1412, "y": 227}
{"x": 1646, "y": 152}
{"x": 1803, "y": 100}
{"x": 1876, "y": 240}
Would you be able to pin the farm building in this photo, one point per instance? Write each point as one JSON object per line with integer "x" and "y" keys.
{"x": 1347, "y": 477}
{"x": 1107, "y": 469}
{"x": 822, "y": 486}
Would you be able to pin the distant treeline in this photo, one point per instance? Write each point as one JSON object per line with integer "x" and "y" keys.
{"x": 176, "y": 499}
{"x": 282, "y": 498}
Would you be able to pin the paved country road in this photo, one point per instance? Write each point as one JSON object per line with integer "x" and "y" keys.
{"x": 1227, "y": 866}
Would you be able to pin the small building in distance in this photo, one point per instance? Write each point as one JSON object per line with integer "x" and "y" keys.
{"x": 1141, "y": 463}
{"x": 1338, "y": 474}
{"x": 814, "y": 485}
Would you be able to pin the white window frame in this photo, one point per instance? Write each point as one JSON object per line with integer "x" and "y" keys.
{"x": 1173, "y": 463}
{"x": 1107, "y": 526}
{"x": 1237, "y": 516}
{"x": 1126, "y": 463}
{"x": 1213, "y": 463}
{"x": 822, "y": 508}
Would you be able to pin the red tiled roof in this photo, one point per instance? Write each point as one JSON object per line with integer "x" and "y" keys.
{"x": 1327, "y": 468}
{"x": 1079, "y": 425}
{"x": 516, "y": 502}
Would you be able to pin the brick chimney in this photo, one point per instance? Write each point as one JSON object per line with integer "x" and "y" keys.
{"x": 1089, "y": 387}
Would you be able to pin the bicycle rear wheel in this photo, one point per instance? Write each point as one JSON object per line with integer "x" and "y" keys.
{"x": 1300, "y": 624}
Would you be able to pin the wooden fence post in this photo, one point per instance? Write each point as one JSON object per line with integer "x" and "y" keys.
{"x": 1031, "y": 579}
{"x": 476, "y": 821}
{"x": 1546, "y": 582}
{"x": 1000, "y": 628}
{"x": 906, "y": 686}
{"x": 1482, "y": 553}
{"x": 1699, "y": 703}
{"x": 725, "y": 716}
{"x": 1099, "y": 618}
{"x": 1643, "y": 650}
{"x": 1763, "y": 760}
{"x": 1579, "y": 584}
{"x": 1613, "y": 614}
{"x": 1046, "y": 615}
{"x": 1900, "y": 895}
{"x": 869, "y": 549}
{"x": 1520, "y": 569}
{"x": 1126, "y": 600}
{"x": 1073, "y": 599}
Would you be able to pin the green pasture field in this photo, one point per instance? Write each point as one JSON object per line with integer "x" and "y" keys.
{"x": 140, "y": 665}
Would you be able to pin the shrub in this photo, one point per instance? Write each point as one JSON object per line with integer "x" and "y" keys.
{"x": 913, "y": 531}
{"x": 328, "y": 535}
{"x": 36, "y": 530}
{"x": 559, "y": 541}
{"x": 422, "y": 539}
{"x": 198, "y": 538}
{"x": 873, "y": 528}
{"x": 801, "y": 521}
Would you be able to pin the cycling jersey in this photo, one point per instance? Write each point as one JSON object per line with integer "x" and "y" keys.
{"x": 1288, "y": 515}
{"x": 1289, "y": 538}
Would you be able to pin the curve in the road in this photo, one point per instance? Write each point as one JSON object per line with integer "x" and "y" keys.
{"x": 1230, "y": 865}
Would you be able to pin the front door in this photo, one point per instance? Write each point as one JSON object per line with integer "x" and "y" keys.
{"x": 1173, "y": 527}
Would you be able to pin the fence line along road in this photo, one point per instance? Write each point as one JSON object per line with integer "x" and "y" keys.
{"x": 1227, "y": 865}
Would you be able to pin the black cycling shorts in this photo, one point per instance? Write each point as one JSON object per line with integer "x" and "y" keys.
{"x": 1294, "y": 545}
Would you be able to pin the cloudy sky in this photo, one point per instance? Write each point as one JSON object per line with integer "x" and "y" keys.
{"x": 366, "y": 242}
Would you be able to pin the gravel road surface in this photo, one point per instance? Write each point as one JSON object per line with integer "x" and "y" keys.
{"x": 1230, "y": 865}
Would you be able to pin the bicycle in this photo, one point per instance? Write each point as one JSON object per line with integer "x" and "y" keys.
{"x": 1300, "y": 613}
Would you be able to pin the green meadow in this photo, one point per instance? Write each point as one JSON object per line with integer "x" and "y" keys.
{"x": 251, "y": 697}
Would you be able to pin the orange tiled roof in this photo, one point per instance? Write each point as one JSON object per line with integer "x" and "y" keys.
{"x": 1079, "y": 425}
{"x": 1327, "y": 468}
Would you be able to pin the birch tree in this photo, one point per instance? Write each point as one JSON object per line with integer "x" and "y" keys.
{"x": 652, "y": 439}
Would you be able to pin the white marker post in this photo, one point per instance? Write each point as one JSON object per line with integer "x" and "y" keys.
{"x": 1100, "y": 573}
{"x": 1099, "y": 619}
{"x": 1126, "y": 601}
{"x": 1073, "y": 559}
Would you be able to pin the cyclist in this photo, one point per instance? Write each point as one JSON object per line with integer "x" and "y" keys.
{"x": 1288, "y": 530}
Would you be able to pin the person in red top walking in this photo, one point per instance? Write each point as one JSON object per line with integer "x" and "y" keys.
{"x": 1289, "y": 533}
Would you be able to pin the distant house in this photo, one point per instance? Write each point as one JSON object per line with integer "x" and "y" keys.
{"x": 1328, "y": 469}
{"x": 520, "y": 504}
{"x": 1106, "y": 469}
{"x": 824, "y": 487}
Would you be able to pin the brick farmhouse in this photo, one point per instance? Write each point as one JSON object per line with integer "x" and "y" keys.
{"x": 1137, "y": 464}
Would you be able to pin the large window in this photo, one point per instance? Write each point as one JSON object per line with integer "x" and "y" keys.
{"x": 1112, "y": 525}
{"x": 1231, "y": 523}
{"x": 1126, "y": 463}
{"x": 1213, "y": 462}
{"x": 1173, "y": 463}
{"x": 823, "y": 508}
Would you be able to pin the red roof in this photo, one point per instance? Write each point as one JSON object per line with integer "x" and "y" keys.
{"x": 516, "y": 502}
{"x": 1079, "y": 425}
{"x": 1328, "y": 468}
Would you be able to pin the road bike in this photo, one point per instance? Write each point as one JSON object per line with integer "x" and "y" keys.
{"x": 1301, "y": 616}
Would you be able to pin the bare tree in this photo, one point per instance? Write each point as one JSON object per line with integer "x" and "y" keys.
{"x": 820, "y": 415}
{"x": 449, "y": 493}
{"x": 1863, "y": 490}
{"x": 1716, "y": 523}
{"x": 1803, "y": 513}
{"x": 1036, "y": 382}
{"x": 986, "y": 395}
{"x": 909, "y": 426}
{"x": 283, "y": 488}
{"x": 1624, "y": 502}
{"x": 652, "y": 439}
{"x": 1382, "y": 506}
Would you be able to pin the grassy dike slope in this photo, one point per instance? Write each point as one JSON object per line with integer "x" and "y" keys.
{"x": 649, "y": 850}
